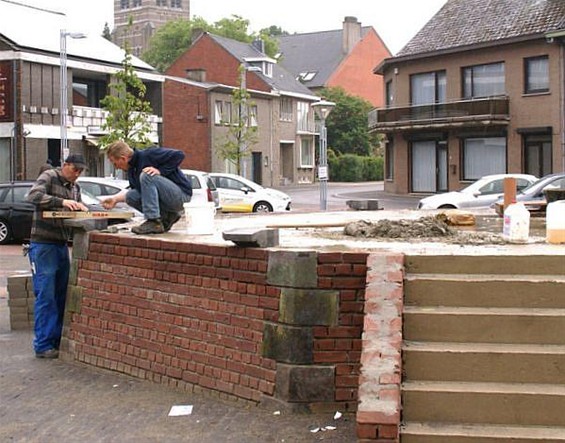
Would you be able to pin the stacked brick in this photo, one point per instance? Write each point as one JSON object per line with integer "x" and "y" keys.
{"x": 257, "y": 324}
{"x": 20, "y": 302}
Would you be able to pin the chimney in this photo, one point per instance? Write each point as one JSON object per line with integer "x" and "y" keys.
{"x": 351, "y": 33}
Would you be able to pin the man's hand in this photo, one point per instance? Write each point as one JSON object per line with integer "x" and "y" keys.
{"x": 74, "y": 205}
{"x": 109, "y": 203}
{"x": 150, "y": 170}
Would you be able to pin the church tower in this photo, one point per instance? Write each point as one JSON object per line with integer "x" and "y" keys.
{"x": 147, "y": 16}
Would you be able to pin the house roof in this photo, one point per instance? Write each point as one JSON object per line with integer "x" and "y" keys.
{"x": 34, "y": 29}
{"x": 281, "y": 81}
{"x": 472, "y": 22}
{"x": 317, "y": 53}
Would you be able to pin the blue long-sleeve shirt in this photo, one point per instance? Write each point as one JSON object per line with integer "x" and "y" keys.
{"x": 166, "y": 160}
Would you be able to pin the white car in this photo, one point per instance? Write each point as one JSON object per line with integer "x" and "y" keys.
{"x": 102, "y": 187}
{"x": 203, "y": 187}
{"x": 480, "y": 194}
{"x": 238, "y": 194}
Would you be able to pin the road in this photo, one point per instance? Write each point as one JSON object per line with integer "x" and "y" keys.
{"x": 307, "y": 197}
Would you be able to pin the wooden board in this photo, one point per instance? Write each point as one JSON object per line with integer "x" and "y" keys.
{"x": 89, "y": 214}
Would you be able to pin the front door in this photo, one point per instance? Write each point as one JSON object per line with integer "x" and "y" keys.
{"x": 257, "y": 159}
{"x": 429, "y": 166}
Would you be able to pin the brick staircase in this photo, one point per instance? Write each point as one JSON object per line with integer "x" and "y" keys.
{"x": 484, "y": 349}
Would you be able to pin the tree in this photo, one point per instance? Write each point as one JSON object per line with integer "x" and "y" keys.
{"x": 241, "y": 135}
{"x": 127, "y": 108}
{"x": 347, "y": 127}
{"x": 173, "y": 38}
{"x": 170, "y": 41}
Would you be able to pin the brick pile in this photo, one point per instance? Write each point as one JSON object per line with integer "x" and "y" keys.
{"x": 20, "y": 301}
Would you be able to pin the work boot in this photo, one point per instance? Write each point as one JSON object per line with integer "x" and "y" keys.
{"x": 50, "y": 353}
{"x": 153, "y": 226}
{"x": 169, "y": 219}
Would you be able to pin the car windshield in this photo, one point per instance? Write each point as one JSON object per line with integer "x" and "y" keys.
{"x": 535, "y": 186}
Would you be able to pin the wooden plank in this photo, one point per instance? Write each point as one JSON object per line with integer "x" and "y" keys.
{"x": 87, "y": 214}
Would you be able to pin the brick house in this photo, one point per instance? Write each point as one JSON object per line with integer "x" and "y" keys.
{"x": 30, "y": 91}
{"x": 344, "y": 57}
{"x": 198, "y": 109}
{"x": 479, "y": 90}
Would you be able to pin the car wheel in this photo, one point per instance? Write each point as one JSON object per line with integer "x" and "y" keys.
{"x": 5, "y": 232}
{"x": 447, "y": 207}
{"x": 262, "y": 206}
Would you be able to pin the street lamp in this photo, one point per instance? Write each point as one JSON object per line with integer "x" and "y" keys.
{"x": 64, "y": 89}
{"x": 323, "y": 109}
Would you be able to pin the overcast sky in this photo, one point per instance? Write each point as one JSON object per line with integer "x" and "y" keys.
{"x": 396, "y": 21}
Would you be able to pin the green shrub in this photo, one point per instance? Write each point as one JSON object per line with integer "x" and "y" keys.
{"x": 354, "y": 168}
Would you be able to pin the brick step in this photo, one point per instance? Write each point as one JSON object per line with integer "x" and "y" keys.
{"x": 484, "y": 362}
{"x": 478, "y": 433}
{"x": 486, "y": 325}
{"x": 486, "y": 264}
{"x": 511, "y": 404}
{"x": 535, "y": 291}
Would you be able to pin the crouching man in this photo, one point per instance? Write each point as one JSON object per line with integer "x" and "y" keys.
{"x": 158, "y": 188}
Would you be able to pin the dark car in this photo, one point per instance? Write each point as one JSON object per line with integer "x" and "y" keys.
{"x": 16, "y": 213}
{"x": 535, "y": 192}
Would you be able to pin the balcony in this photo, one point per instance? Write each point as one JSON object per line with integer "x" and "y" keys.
{"x": 462, "y": 113}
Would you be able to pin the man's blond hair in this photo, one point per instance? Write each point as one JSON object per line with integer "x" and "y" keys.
{"x": 119, "y": 149}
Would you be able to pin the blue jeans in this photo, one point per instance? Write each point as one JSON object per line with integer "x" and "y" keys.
{"x": 158, "y": 196}
{"x": 50, "y": 267}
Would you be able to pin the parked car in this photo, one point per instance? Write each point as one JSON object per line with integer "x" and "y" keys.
{"x": 203, "y": 187}
{"x": 480, "y": 194}
{"x": 16, "y": 213}
{"x": 102, "y": 187}
{"x": 238, "y": 194}
{"x": 535, "y": 192}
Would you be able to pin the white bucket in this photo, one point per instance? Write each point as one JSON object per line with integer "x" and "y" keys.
{"x": 199, "y": 218}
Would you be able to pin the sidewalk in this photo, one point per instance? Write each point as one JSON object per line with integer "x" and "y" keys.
{"x": 51, "y": 401}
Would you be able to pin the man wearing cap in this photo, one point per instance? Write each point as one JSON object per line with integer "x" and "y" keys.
{"x": 54, "y": 190}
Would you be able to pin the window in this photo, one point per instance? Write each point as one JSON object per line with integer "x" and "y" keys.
{"x": 484, "y": 81}
{"x": 536, "y": 75}
{"x": 285, "y": 109}
{"x": 389, "y": 94}
{"x": 306, "y": 152}
{"x": 88, "y": 92}
{"x": 253, "y": 115}
{"x": 483, "y": 156}
{"x": 124, "y": 4}
{"x": 161, "y": 2}
{"x": 306, "y": 76}
{"x": 227, "y": 113}
{"x": 218, "y": 112}
{"x": 302, "y": 116}
{"x": 389, "y": 159}
{"x": 427, "y": 88}
{"x": 136, "y": 3}
{"x": 176, "y": 4}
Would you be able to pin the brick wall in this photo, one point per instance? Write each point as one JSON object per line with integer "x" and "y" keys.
{"x": 252, "y": 323}
{"x": 378, "y": 416}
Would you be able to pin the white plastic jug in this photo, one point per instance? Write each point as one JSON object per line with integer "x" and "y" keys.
{"x": 555, "y": 222}
{"x": 516, "y": 228}
{"x": 199, "y": 218}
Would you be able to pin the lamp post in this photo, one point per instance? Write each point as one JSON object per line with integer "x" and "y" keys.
{"x": 64, "y": 89}
{"x": 323, "y": 109}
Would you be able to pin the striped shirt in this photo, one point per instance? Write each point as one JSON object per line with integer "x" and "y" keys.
{"x": 48, "y": 193}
